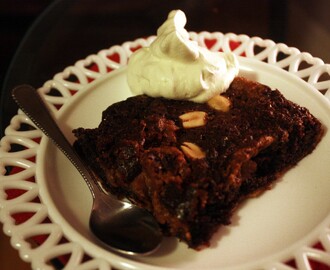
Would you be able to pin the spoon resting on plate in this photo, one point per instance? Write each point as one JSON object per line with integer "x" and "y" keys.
{"x": 123, "y": 227}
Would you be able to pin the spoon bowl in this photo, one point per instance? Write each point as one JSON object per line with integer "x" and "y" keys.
{"x": 122, "y": 226}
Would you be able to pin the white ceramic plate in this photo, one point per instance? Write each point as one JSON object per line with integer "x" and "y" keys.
{"x": 283, "y": 225}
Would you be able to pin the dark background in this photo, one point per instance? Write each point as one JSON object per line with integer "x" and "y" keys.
{"x": 16, "y": 16}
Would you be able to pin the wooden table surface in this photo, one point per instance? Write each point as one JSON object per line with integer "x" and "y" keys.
{"x": 9, "y": 258}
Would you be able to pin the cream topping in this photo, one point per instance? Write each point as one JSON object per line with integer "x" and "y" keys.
{"x": 175, "y": 67}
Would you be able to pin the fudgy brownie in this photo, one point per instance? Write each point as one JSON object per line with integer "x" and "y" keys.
{"x": 190, "y": 164}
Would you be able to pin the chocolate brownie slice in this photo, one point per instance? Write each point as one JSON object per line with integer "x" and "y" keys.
{"x": 191, "y": 164}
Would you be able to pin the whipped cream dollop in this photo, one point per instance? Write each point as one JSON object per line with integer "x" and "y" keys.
{"x": 175, "y": 67}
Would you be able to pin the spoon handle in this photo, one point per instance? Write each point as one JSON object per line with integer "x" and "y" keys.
{"x": 34, "y": 107}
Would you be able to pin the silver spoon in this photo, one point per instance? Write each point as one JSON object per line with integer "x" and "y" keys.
{"x": 123, "y": 227}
